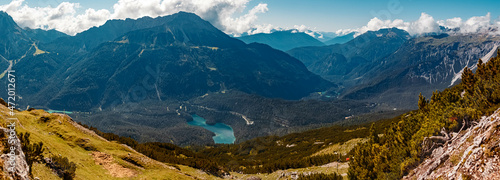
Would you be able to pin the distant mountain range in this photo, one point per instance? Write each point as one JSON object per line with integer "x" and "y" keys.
{"x": 340, "y": 39}
{"x": 283, "y": 40}
{"x": 368, "y": 47}
{"x": 379, "y": 65}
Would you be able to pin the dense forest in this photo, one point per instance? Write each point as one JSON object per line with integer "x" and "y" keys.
{"x": 405, "y": 143}
{"x": 272, "y": 153}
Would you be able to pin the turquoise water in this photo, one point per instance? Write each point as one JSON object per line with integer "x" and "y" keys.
{"x": 224, "y": 134}
{"x": 57, "y": 111}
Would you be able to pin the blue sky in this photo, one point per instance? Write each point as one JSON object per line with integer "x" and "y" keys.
{"x": 327, "y": 15}
{"x": 330, "y": 15}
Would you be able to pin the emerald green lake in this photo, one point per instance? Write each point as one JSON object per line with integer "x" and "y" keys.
{"x": 224, "y": 134}
{"x": 57, "y": 111}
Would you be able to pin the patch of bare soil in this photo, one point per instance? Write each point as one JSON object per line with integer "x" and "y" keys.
{"x": 116, "y": 170}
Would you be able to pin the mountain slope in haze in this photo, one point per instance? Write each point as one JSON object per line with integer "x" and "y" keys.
{"x": 282, "y": 40}
{"x": 112, "y": 29}
{"x": 44, "y": 36}
{"x": 396, "y": 65}
{"x": 423, "y": 64}
{"x": 340, "y": 39}
{"x": 24, "y": 49}
{"x": 347, "y": 63}
{"x": 14, "y": 42}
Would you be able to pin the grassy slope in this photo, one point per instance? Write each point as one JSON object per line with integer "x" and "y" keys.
{"x": 343, "y": 148}
{"x": 59, "y": 136}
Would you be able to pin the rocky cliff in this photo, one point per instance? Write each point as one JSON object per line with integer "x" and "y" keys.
{"x": 21, "y": 168}
{"x": 471, "y": 154}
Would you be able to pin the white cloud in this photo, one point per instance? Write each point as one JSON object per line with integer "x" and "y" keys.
{"x": 264, "y": 28}
{"x": 221, "y": 13}
{"x": 451, "y": 23}
{"x": 472, "y": 25}
{"x": 245, "y": 22}
{"x": 309, "y": 31}
{"x": 64, "y": 17}
{"x": 301, "y": 28}
{"x": 427, "y": 24}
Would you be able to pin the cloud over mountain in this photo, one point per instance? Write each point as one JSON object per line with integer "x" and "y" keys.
{"x": 472, "y": 25}
{"x": 231, "y": 16}
{"x": 427, "y": 24}
{"x": 64, "y": 17}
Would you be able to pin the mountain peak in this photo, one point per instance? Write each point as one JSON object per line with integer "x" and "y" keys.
{"x": 7, "y": 22}
{"x": 182, "y": 29}
{"x": 388, "y": 32}
{"x": 180, "y": 23}
{"x": 14, "y": 42}
{"x": 186, "y": 14}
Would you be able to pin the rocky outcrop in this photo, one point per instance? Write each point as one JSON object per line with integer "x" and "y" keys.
{"x": 21, "y": 168}
{"x": 472, "y": 154}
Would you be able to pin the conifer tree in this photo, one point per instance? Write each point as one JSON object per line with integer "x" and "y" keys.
{"x": 422, "y": 102}
{"x": 468, "y": 80}
{"x": 373, "y": 135}
{"x": 480, "y": 68}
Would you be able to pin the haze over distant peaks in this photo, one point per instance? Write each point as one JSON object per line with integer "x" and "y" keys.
{"x": 283, "y": 40}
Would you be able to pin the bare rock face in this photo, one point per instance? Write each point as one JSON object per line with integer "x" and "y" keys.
{"x": 21, "y": 168}
{"x": 471, "y": 154}
{"x": 254, "y": 178}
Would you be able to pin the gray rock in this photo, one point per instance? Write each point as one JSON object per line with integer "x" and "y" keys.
{"x": 21, "y": 168}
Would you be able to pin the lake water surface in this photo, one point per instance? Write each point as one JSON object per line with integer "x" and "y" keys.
{"x": 57, "y": 111}
{"x": 224, "y": 134}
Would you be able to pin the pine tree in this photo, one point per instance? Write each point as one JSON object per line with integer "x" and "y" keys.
{"x": 32, "y": 152}
{"x": 480, "y": 68}
{"x": 422, "y": 102}
{"x": 468, "y": 80}
{"x": 373, "y": 135}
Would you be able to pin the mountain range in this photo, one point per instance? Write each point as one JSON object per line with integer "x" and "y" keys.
{"x": 340, "y": 39}
{"x": 283, "y": 40}
{"x": 183, "y": 57}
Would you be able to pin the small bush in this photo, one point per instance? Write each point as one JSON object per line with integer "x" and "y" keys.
{"x": 84, "y": 143}
{"x": 45, "y": 119}
{"x": 33, "y": 152}
{"x": 63, "y": 167}
{"x": 133, "y": 161}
